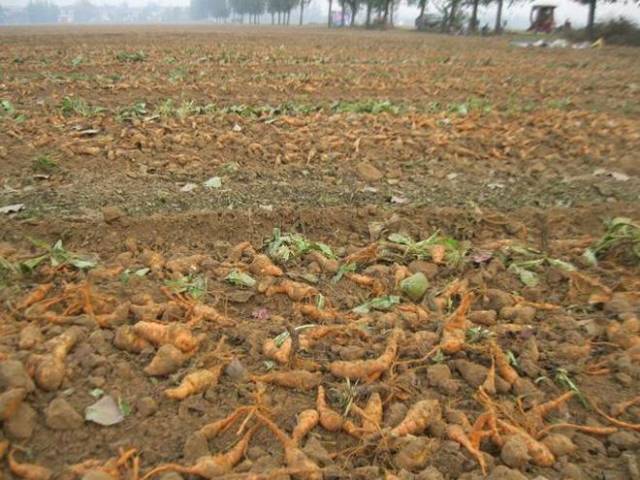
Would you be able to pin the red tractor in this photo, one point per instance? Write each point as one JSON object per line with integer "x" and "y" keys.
{"x": 541, "y": 19}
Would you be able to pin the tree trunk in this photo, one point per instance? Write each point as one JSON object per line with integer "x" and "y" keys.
{"x": 473, "y": 25}
{"x": 273, "y": 19}
{"x": 288, "y": 17}
{"x": 329, "y": 17}
{"x": 301, "y": 11}
{"x": 353, "y": 14}
{"x": 385, "y": 16}
{"x": 453, "y": 13}
{"x": 423, "y": 6}
{"x": 342, "y": 11}
{"x": 592, "y": 18}
{"x": 498, "y": 28}
{"x": 279, "y": 20}
{"x": 392, "y": 7}
{"x": 368, "y": 20}
{"x": 445, "y": 20}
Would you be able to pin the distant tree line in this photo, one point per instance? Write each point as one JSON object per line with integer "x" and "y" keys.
{"x": 249, "y": 11}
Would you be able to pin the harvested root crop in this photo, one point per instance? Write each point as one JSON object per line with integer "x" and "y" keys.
{"x": 195, "y": 382}
{"x": 279, "y": 353}
{"x": 49, "y": 370}
{"x": 418, "y": 418}
{"x": 368, "y": 370}
{"x": 126, "y": 339}
{"x": 296, "y": 459}
{"x": 298, "y": 379}
{"x": 210, "y": 467}
{"x": 294, "y": 290}
{"x": 307, "y": 420}
{"x": 28, "y": 471}
{"x": 454, "y": 331}
{"x": 168, "y": 359}
{"x": 329, "y": 418}
{"x": 160, "y": 334}
{"x": 262, "y": 265}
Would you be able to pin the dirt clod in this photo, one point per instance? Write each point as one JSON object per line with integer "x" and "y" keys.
{"x": 515, "y": 453}
{"x": 368, "y": 172}
{"x": 22, "y": 423}
{"x": 559, "y": 444}
{"x": 146, "y": 406}
{"x": 14, "y": 375}
{"x": 60, "y": 415}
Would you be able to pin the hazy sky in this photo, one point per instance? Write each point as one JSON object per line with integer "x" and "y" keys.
{"x": 517, "y": 16}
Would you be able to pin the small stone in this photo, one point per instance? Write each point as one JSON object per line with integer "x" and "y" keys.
{"x": 450, "y": 459}
{"x": 254, "y": 453}
{"x": 394, "y": 414}
{"x": 505, "y": 473}
{"x": 21, "y": 424}
{"x": 589, "y": 444}
{"x": 96, "y": 475}
{"x": 10, "y": 402}
{"x": 244, "y": 466}
{"x": 625, "y": 440}
{"x": 30, "y": 337}
{"x": 316, "y": 451}
{"x": 632, "y": 465}
{"x": 559, "y": 444}
{"x": 368, "y": 172}
{"x": 429, "y": 473}
{"x": 146, "y": 406}
{"x": 124, "y": 371}
{"x": 613, "y": 451}
{"x": 195, "y": 447}
{"x": 352, "y": 352}
{"x": 14, "y": 375}
{"x": 366, "y": 473}
{"x": 429, "y": 269}
{"x": 97, "y": 382}
{"x": 497, "y": 299}
{"x": 483, "y": 317}
{"x": 59, "y": 415}
{"x": 515, "y": 453}
{"x": 623, "y": 378}
{"x": 473, "y": 373}
{"x": 110, "y": 214}
{"x": 236, "y": 370}
{"x": 573, "y": 472}
{"x": 438, "y": 374}
{"x": 414, "y": 453}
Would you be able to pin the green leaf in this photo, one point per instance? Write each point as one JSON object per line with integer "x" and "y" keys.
{"x": 324, "y": 249}
{"x": 344, "y": 268}
{"x": 590, "y": 256}
{"x": 380, "y": 303}
{"x": 32, "y": 263}
{"x": 401, "y": 239}
{"x": 124, "y": 407}
{"x": 82, "y": 264}
{"x": 213, "y": 182}
{"x": 240, "y": 278}
{"x": 96, "y": 392}
{"x": 527, "y": 277}
{"x": 141, "y": 272}
{"x": 561, "y": 264}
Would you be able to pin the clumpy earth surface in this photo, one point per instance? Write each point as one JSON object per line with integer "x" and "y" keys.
{"x": 302, "y": 253}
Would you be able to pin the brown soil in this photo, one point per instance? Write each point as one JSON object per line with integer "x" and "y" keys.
{"x": 487, "y": 144}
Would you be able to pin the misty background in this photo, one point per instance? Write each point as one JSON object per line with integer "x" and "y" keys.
{"x": 516, "y": 14}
